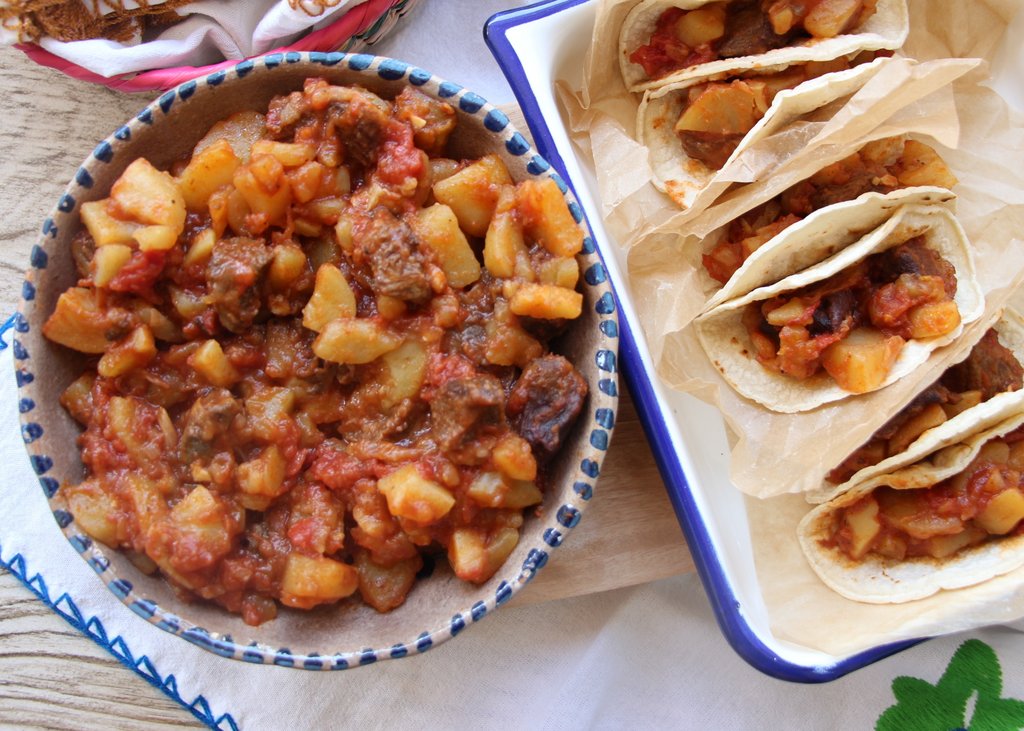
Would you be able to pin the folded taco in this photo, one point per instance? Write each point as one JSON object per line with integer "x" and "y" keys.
{"x": 970, "y": 396}
{"x": 667, "y": 41}
{"x": 840, "y": 203}
{"x": 951, "y": 520}
{"x": 857, "y": 321}
{"x": 693, "y": 129}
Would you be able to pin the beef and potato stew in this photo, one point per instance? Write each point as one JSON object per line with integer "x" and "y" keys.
{"x": 318, "y": 355}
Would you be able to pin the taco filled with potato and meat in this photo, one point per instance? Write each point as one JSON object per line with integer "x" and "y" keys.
{"x": 953, "y": 519}
{"x": 862, "y": 318}
{"x": 839, "y": 203}
{"x": 694, "y": 128}
{"x": 667, "y": 41}
{"x": 970, "y": 396}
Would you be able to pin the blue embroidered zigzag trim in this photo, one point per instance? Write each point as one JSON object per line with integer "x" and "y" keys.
{"x": 92, "y": 628}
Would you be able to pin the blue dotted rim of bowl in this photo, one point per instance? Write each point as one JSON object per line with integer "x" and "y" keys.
{"x": 559, "y": 523}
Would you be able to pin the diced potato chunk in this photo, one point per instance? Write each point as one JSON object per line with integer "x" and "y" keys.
{"x": 727, "y": 109}
{"x": 861, "y": 362}
{"x": 411, "y": 495}
{"x": 546, "y": 301}
{"x": 1003, "y": 512}
{"x": 791, "y": 309}
{"x": 830, "y": 18}
{"x": 312, "y": 580}
{"x": 995, "y": 451}
{"x": 94, "y": 509}
{"x": 407, "y": 367}
{"x": 149, "y": 196}
{"x": 921, "y": 165}
{"x": 504, "y": 245}
{"x": 332, "y": 298}
{"x": 264, "y": 475}
{"x": 472, "y": 193}
{"x": 78, "y": 322}
{"x": 514, "y": 458}
{"x": 437, "y": 229}
{"x": 522, "y": 494}
{"x": 508, "y": 343}
{"x": 1015, "y": 458}
{"x": 129, "y": 353}
{"x": 967, "y": 400}
{"x": 475, "y": 555}
{"x": 77, "y": 398}
{"x": 156, "y": 238}
{"x": 209, "y": 169}
{"x": 288, "y": 264}
{"x": 201, "y": 520}
{"x": 241, "y": 130}
{"x": 487, "y": 489}
{"x": 929, "y": 417}
{"x": 146, "y": 501}
{"x": 103, "y": 227}
{"x": 862, "y": 520}
{"x": 108, "y": 261}
{"x": 941, "y": 546}
{"x": 546, "y": 217}
{"x": 268, "y": 408}
{"x": 145, "y": 440}
{"x": 352, "y": 341}
{"x": 272, "y": 205}
{"x": 201, "y": 249}
{"x": 305, "y": 181}
{"x": 933, "y": 319}
{"x": 289, "y": 154}
{"x": 701, "y": 25}
{"x": 561, "y": 271}
{"x": 213, "y": 365}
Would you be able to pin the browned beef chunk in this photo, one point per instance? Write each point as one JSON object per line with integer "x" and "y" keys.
{"x": 710, "y": 148}
{"x": 990, "y": 368}
{"x": 464, "y": 409}
{"x": 913, "y": 257}
{"x": 360, "y": 125}
{"x": 284, "y": 113}
{"x": 545, "y": 402}
{"x": 748, "y": 31}
{"x": 432, "y": 121}
{"x": 210, "y": 416}
{"x": 233, "y": 278}
{"x": 833, "y": 311}
{"x": 389, "y": 247}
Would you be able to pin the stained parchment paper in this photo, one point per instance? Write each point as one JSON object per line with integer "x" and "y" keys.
{"x": 982, "y": 140}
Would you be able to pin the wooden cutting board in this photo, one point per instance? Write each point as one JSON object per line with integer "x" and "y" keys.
{"x": 628, "y": 534}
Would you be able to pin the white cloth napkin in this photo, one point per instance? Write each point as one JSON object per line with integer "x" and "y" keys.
{"x": 649, "y": 657}
{"x": 214, "y": 30}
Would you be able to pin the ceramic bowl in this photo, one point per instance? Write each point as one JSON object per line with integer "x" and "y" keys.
{"x": 350, "y": 633}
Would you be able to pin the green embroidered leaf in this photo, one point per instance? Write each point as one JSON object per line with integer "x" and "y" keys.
{"x": 921, "y": 706}
{"x": 973, "y": 670}
{"x": 974, "y": 667}
{"x": 997, "y": 714}
{"x": 907, "y": 688}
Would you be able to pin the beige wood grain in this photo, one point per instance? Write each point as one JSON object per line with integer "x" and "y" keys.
{"x": 50, "y": 675}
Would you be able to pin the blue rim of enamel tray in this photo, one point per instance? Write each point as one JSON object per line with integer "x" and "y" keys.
{"x": 727, "y": 608}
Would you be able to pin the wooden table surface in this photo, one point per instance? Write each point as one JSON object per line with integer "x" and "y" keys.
{"x": 50, "y": 124}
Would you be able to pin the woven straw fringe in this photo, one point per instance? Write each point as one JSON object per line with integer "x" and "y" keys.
{"x": 76, "y": 20}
